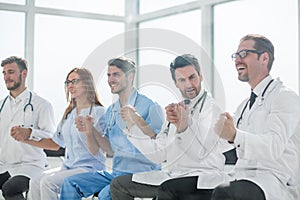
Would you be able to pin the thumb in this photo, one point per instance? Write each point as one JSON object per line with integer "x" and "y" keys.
{"x": 228, "y": 116}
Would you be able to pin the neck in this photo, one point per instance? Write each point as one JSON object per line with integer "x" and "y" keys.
{"x": 81, "y": 104}
{"x": 255, "y": 82}
{"x": 125, "y": 95}
{"x": 17, "y": 92}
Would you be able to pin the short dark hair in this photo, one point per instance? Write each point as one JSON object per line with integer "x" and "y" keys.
{"x": 262, "y": 44}
{"x": 123, "y": 63}
{"x": 22, "y": 63}
{"x": 182, "y": 61}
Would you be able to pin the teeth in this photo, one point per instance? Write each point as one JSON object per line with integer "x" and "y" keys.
{"x": 240, "y": 67}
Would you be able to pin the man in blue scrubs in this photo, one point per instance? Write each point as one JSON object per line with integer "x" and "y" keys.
{"x": 127, "y": 159}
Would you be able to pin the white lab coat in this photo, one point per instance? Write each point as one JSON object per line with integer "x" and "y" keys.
{"x": 195, "y": 152}
{"x": 16, "y": 157}
{"x": 268, "y": 141}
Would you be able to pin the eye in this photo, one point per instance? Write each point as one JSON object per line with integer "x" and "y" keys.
{"x": 243, "y": 53}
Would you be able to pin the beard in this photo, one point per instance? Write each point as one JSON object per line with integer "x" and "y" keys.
{"x": 16, "y": 85}
{"x": 243, "y": 78}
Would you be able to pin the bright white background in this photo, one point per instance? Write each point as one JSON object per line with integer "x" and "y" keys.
{"x": 62, "y": 43}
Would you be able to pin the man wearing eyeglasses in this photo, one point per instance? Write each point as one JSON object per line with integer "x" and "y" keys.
{"x": 265, "y": 130}
{"x": 23, "y": 115}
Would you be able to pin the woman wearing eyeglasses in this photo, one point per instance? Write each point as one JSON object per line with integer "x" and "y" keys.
{"x": 83, "y": 100}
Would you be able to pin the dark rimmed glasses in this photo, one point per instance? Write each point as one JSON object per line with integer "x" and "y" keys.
{"x": 74, "y": 82}
{"x": 243, "y": 53}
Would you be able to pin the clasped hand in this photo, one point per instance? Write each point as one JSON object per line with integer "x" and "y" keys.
{"x": 128, "y": 114}
{"x": 84, "y": 123}
{"x": 178, "y": 114}
{"x": 225, "y": 127}
{"x": 19, "y": 133}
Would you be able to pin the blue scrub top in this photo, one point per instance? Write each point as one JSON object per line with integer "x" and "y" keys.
{"x": 127, "y": 158}
{"x": 77, "y": 153}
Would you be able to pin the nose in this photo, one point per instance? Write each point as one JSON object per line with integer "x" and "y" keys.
{"x": 110, "y": 79}
{"x": 6, "y": 77}
{"x": 188, "y": 83}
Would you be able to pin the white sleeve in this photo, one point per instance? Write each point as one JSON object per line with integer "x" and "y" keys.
{"x": 153, "y": 149}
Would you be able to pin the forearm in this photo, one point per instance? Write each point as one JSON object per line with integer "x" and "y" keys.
{"x": 140, "y": 122}
{"x": 153, "y": 149}
{"x": 45, "y": 143}
{"x": 96, "y": 141}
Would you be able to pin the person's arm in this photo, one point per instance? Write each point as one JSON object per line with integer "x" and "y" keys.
{"x": 131, "y": 118}
{"x": 178, "y": 114}
{"x": 95, "y": 140}
{"x": 155, "y": 149}
{"x": 45, "y": 143}
{"x": 45, "y": 125}
{"x": 275, "y": 129}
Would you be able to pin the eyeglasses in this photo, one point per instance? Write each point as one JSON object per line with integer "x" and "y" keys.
{"x": 243, "y": 53}
{"x": 74, "y": 82}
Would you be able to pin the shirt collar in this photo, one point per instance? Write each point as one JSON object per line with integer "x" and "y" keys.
{"x": 195, "y": 99}
{"x": 258, "y": 90}
{"x": 131, "y": 101}
{"x": 21, "y": 97}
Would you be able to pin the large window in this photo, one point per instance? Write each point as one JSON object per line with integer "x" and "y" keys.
{"x": 277, "y": 20}
{"x": 58, "y": 35}
{"x": 12, "y": 39}
{"x": 161, "y": 40}
{"x": 62, "y": 43}
{"x": 111, "y": 7}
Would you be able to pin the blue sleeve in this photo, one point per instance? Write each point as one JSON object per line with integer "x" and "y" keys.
{"x": 155, "y": 118}
{"x": 100, "y": 120}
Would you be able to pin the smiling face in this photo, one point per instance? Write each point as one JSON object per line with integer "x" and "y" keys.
{"x": 188, "y": 81}
{"x": 14, "y": 78}
{"x": 118, "y": 81}
{"x": 253, "y": 67}
{"x": 76, "y": 86}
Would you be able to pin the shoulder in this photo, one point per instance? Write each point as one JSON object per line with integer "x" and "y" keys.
{"x": 283, "y": 96}
{"x": 37, "y": 99}
{"x": 141, "y": 98}
{"x": 100, "y": 110}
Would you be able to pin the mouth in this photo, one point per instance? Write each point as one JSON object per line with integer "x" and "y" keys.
{"x": 113, "y": 85}
{"x": 8, "y": 81}
{"x": 190, "y": 91}
{"x": 240, "y": 68}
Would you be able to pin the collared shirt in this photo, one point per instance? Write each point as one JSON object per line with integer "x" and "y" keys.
{"x": 268, "y": 141}
{"x": 195, "y": 152}
{"x": 127, "y": 158}
{"x": 14, "y": 154}
{"x": 77, "y": 153}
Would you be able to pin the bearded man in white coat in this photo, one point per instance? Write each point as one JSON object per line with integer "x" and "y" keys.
{"x": 23, "y": 115}
{"x": 188, "y": 147}
{"x": 265, "y": 130}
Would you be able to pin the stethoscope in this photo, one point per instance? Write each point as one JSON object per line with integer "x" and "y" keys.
{"x": 67, "y": 115}
{"x": 260, "y": 103}
{"x": 29, "y": 104}
{"x": 186, "y": 102}
{"x": 113, "y": 113}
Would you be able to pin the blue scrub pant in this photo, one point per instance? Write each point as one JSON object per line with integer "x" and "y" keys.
{"x": 86, "y": 184}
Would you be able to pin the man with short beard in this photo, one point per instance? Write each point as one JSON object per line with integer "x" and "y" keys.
{"x": 23, "y": 115}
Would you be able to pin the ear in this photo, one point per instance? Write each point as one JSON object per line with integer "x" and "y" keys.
{"x": 24, "y": 73}
{"x": 130, "y": 77}
{"x": 201, "y": 77}
{"x": 265, "y": 57}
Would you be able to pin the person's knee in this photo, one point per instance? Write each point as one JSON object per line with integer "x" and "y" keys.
{"x": 46, "y": 182}
{"x": 114, "y": 184}
{"x": 221, "y": 192}
{"x": 15, "y": 185}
